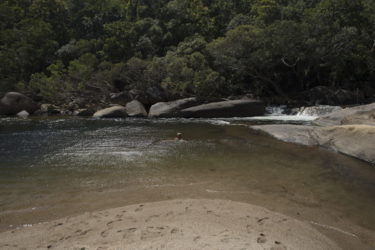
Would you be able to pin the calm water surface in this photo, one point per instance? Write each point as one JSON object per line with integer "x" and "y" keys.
{"x": 55, "y": 167}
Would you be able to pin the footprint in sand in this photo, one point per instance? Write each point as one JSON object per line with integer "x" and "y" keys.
{"x": 119, "y": 216}
{"x": 152, "y": 217}
{"x": 139, "y": 208}
{"x": 197, "y": 238}
{"x": 104, "y": 214}
{"x": 262, "y": 239}
{"x": 278, "y": 246}
{"x": 154, "y": 232}
{"x": 57, "y": 225}
{"x": 128, "y": 233}
{"x": 102, "y": 248}
{"x": 110, "y": 224}
{"x": 82, "y": 233}
{"x": 261, "y": 221}
{"x": 210, "y": 212}
{"x": 175, "y": 230}
{"x": 105, "y": 233}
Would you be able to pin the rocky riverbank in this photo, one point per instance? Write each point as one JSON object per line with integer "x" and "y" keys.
{"x": 14, "y": 103}
{"x": 350, "y": 131}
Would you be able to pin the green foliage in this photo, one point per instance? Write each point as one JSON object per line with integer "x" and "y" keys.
{"x": 206, "y": 48}
{"x": 49, "y": 86}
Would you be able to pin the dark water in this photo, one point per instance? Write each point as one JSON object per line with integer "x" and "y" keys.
{"x": 64, "y": 166}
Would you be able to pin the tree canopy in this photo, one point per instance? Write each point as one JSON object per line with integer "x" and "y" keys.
{"x": 206, "y": 48}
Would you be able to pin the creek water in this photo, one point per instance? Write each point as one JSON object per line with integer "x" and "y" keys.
{"x": 51, "y": 168}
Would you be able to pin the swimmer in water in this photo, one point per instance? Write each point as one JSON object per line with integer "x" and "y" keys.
{"x": 178, "y": 137}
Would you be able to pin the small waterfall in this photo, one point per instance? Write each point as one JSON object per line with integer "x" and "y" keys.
{"x": 276, "y": 110}
{"x": 285, "y": 113}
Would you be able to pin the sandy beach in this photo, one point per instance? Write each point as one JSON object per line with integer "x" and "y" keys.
{"x": 174, "y": 224}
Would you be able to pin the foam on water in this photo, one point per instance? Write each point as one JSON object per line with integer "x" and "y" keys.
{"x": 281, "y": 113}
{"x": 276, "y": 110}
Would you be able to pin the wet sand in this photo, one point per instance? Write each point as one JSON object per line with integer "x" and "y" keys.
{"x": 175, "y": 224}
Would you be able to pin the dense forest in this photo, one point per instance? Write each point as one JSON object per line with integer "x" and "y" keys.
{"x": 275, "y": 49}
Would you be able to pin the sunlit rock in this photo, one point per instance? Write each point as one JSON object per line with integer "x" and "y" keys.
{"x": 135, "y": 109}
{"x": 23, "y": 114}
{"x": 233, "y": 108}
{"x": 112, "y": 112}
{"x": 171, "y": 109}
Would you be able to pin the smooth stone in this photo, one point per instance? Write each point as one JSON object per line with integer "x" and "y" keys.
{"x": 317, "y": 110}
{"x": 112, "y": 112}
{"x": 13, "y": 103}
{"x": 353, "y": 140}
{"x": 364, "y": 114}
{"x": 289, "y": 133}
{"x": 171, "y": 109}
{"x": 136, "y": 109}
{"x": 232, "y": 108}
{"x": 23, "y": 114}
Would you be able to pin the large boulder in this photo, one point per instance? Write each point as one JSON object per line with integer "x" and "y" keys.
{"x": 13, "y": 103}
{"x": 350, "y": 131}
{"x": 171, "y": 109}
{"x": 298, "y": 134}
{"x": 112, "y": 112}
{"x": 357, "y": 115}
{"x": 364, "y": 118}
{"x": 353, "y": 140}
{"x": 317, "y": 110}
{"x": 232, "y": 108}
{"x": 135, "y": 109}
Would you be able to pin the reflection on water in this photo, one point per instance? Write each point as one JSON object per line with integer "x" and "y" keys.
{"x": 61, "y": 163}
